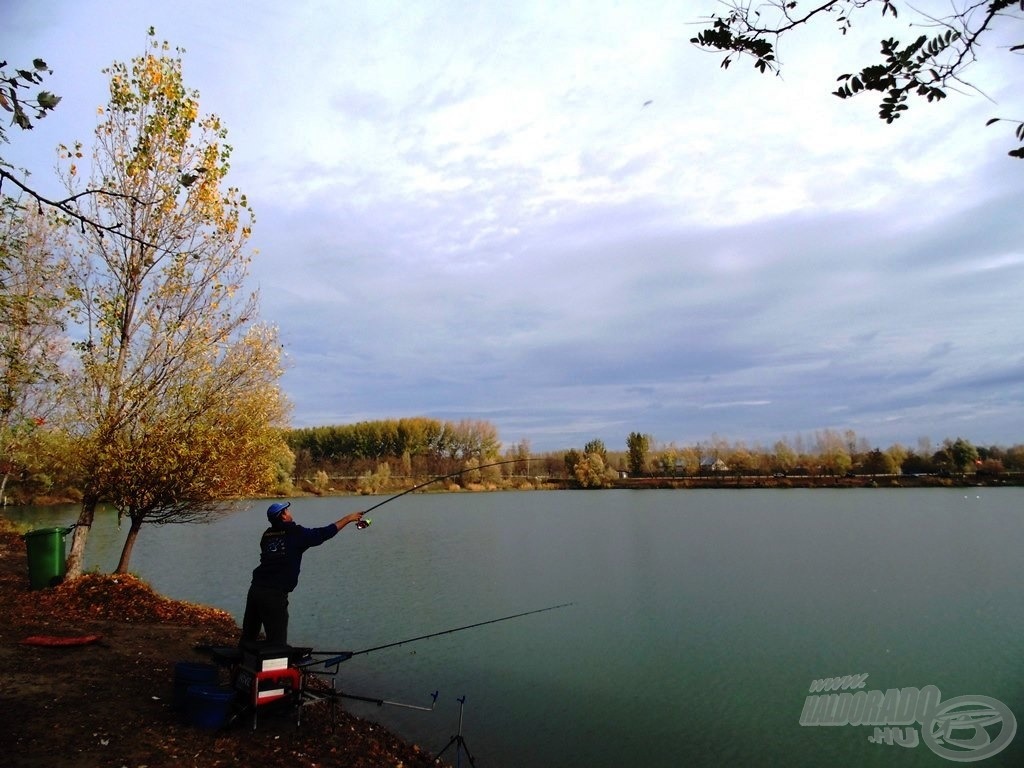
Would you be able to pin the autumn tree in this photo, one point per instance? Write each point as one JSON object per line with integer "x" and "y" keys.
{"x": 878, "y": 462}
{"x": 417, "y": 444}
{"x": 917, "y": 464}
{"x": 596, "y": 446}
{"x": 591, "y": 471}
{"x": 371, "y": 482}
{"x": 31, "y": 336}
{"x": 26, "y": 109}
{"x": 519, "y": 455}
{"x": 1014, "y": 458}
{"x": 637, "y": 446}
{"x": 481, "y": 471}
{"x": 161, "y": 311}
{"x": 927, "y": 67}
{"x": 961, "y": 453}
{"x": 284, "y": 469}
{"x": 570, "y": 459}
{"x": 213, "y": 437}
{"x": 897, "y": 454}
{"x": 741, "y": 461}
{"x": 832, "y": 452}
{"x": 31, "y": 301}
{"x": 666, "y": 459}
{"x": 474, "y": 439}
{"x": 990, "y": 467}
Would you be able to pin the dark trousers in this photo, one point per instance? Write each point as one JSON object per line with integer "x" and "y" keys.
{"x": 268, "y": 608}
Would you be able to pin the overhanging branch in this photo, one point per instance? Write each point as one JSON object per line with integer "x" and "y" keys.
{"x": 66, "y": 207}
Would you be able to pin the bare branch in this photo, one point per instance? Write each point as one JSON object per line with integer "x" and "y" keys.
{"x": 65, "y": 207}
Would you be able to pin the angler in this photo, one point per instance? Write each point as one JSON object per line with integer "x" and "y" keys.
{"x": 281, "y": 548}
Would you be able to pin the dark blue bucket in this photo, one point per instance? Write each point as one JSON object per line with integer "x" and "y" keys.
{"x": 209, "y": 706}
{"x": 187, "y": 674}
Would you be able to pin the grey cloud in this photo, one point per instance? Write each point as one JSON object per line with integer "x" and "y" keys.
{"x": 543, "y": 281}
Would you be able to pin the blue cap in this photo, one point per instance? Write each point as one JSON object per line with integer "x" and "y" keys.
{"x": 275, "y": 510}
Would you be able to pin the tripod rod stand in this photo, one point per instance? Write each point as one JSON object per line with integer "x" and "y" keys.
{"x": 458, "y": 741}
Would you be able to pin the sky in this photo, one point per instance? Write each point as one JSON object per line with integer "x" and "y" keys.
{"x": 566, "y": 220}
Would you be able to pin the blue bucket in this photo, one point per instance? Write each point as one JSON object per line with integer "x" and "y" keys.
{"x": 209, "y": 706}
{"x": 187, "y": 674}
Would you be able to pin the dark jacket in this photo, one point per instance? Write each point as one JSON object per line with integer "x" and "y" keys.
{"x": 281, "y": 548}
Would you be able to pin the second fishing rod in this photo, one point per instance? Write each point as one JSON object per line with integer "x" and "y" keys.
{"x": 365, "y": 522}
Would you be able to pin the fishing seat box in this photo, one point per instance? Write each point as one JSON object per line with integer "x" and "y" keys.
{"x": 265, "y": 674}
{"x": 261, "y": 656}
{"x": 265, "y": 687}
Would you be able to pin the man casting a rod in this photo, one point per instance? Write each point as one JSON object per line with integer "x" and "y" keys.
{"x": 281, "y": 548}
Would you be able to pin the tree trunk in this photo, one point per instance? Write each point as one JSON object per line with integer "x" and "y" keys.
{"x": 129, "y": 543}
{"x": 76, "y": 559}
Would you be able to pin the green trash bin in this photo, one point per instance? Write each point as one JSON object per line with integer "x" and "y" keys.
{"x": 46, "y": 556}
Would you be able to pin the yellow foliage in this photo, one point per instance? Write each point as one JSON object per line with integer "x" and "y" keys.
{"x": 178, "y": 395}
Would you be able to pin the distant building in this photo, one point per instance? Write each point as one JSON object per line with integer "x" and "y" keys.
{"x": 717, "y": 465}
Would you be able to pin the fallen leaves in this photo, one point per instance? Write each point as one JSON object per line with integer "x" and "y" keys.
{"x": 108, "y": 703}
{"x": 123, "y": 597}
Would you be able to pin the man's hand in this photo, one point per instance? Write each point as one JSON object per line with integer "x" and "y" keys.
{"x": 354, "y": 517}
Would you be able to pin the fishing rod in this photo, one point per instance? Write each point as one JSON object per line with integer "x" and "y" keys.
{"x": 364, "y": 523}
{"x": 336, "y": 657}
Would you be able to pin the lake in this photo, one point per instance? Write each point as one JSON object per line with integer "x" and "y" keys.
{"x": 699, "y": 619}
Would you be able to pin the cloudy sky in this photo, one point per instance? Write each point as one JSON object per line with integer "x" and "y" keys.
{"x": 566, "y": 220}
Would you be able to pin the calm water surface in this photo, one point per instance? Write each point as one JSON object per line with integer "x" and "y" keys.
{"x": 699, "y": 618}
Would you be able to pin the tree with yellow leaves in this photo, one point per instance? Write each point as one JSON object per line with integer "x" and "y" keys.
{"x": 175, "y": 394}
{"x": 212, "y": 438}
{"x": 31, "y": 339}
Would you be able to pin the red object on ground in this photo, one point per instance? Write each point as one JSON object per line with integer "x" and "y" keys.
{"x": 52, "y": 641}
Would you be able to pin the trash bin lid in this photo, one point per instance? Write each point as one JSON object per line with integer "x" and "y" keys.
{"x": 62, "y": 530}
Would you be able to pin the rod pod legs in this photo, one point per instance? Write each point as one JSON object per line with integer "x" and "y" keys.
{"x": 458, "y": 741}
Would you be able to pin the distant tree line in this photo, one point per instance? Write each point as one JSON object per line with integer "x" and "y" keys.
{"x": 415, "y": 445}
{"x": 422, "y": 446}
{"x": 827, "y": 452}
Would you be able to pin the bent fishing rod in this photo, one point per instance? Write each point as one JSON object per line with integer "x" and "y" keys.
{"x": 336, "y": 657}
{"x": 363, "y": 524}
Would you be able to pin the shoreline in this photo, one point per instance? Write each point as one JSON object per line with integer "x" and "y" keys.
{"x": 109, "y": 702}
{"x": 722, "y": 481}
